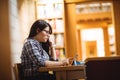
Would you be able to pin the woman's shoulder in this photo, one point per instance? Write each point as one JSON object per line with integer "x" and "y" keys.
{"x": 32, "y": 41}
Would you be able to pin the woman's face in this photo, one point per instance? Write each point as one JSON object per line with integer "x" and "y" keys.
{"x": 43, "y": 36}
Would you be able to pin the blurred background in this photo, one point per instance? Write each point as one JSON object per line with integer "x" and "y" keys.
{"x": 88, "y": 28}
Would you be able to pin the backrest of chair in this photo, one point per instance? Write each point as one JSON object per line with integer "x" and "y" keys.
{"x": 103, "y": 68}
{"x": 18, "y": 70}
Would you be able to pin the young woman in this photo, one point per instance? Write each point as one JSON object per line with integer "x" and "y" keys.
{"x": 35, "y": 52}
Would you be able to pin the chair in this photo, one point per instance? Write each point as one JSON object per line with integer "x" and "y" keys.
{"x": 103, "y": 68}
{"x": 18, "y": 71}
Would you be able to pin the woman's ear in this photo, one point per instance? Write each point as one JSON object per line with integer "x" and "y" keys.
{"x": 37, "y": 30}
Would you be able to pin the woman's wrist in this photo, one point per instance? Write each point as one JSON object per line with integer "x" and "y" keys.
{"x": 52, "y": 47}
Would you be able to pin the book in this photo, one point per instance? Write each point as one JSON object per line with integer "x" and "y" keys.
{"x": 59, "y": 25}
{"x": 41, "y": 12}
{"x": 59, "y": 40}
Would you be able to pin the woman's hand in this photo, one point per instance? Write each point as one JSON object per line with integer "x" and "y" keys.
{"x": 67, "y": 61}
{"x": 71, "y": 59}
{"x": 51, "y": 41}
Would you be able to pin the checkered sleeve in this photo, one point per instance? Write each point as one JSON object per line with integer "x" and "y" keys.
{"x": 35, "y": 53}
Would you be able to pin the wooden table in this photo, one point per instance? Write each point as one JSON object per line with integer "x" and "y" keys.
{"x": 67, "y": 72}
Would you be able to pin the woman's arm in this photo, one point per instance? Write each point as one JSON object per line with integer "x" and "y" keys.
{"x": 56, "y": 63}
{"x": 53, "y": 52}
{"x": 53, "y": 63}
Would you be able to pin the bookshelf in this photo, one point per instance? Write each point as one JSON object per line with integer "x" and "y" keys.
{"x": 53, "y": 12}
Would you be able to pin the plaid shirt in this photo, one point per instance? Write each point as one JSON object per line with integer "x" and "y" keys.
{"x": 33, "y": 56}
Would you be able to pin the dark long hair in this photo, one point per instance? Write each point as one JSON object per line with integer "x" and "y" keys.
{"x": 41, "y": 24}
